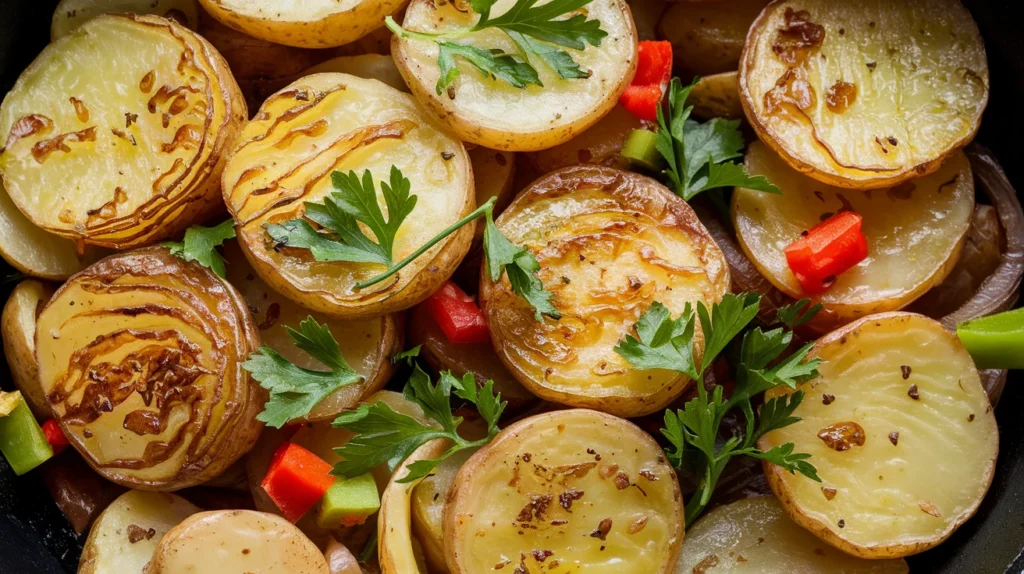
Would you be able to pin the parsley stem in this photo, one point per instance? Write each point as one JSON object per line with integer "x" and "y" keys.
{"x": 486, "y": 208}
{"x": 396, "y": 28}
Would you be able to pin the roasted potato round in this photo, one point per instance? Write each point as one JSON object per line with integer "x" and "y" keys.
{"x": 124, "y": 537}
{"x": 892, "y": 388}
{"x": 397, "y": 549}
{"x": 600, "y": 144}
{"x": 707, "y": 38}
{"x": 306, "y": 24}
{"x": 915, "y": 232}
{"x": 864, "y": 93}
{"x": 366, "y": 344}
{"x": 115, "y": 134}
{"x": 495, "y": 114}
{"x": 236, "y": 541}
{"x": 71, "y": 14}
{"x": 379, "y": 67}
{"x": 18, "y": 328}
{"x": 754, "y": 535}
{"x": 717, "y": 96}
{"x": 428, "y": 500}
{"x": 609, "y": 243}
{"x": 588, "y": 490}
{"x": 140, "y": 359}
{"x": 284, "y": 159}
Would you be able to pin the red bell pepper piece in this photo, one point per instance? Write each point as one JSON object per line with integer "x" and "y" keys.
{"x": 296, "y": 480}
{"x": 458, "y": 315}
{"x": 55, "y": 436}
{"x": 826, "y": 250}
{"x": 653, "y": 72}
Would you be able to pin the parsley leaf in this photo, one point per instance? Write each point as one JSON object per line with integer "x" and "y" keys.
{"x": 521, "y": 267}
{"x": 543, "y": 23}
{"x": 663, "y": 343}
{"x": 784, "y": 456}
{"x": 200, "y": 245}
{"x": 797, "y": 314}
{"x": 506, "y": 67}
{"x": 294, "y": 391}
{"x": 407, "y": 356}
{"x": 559, "y": 60}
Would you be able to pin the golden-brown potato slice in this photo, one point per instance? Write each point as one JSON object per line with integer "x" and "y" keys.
{"x": 497, "y": 115}
{"x": 754, "y": 535}
{"x": 140, "y": 359}
{"x": 893, "y": 388}
{"x": 609, "y": 243}
{"x": 588, "y": 490}
{"x": 864, "y": 93}
{"x": 397, "y": 548}
{"x": 707, "y": 38}
{"x": 601, "y": 144}
{"x": 18, "y": 327}
{"x": 366, "y": 344}
{"x": 125, "y": 536}
{"x": 115, "y": 134}
{"x": 370, "y": 66}
{"x": 915, "y": 232}
{"x": 71, "y": 14}
{"x": 236, "y": 541}
{"x": 305, "y": 24}
{"x": 717, "y": 96}
{"x": 428, "y": 500}
{"x": 327, "y": 122}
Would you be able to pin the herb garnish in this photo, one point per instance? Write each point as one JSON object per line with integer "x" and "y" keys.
{"x": 200, "y": 245}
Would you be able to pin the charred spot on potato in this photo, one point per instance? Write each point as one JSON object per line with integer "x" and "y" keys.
{"x": 797, "y": 38}
{"x": 136, "y": 533}
{"x": 827, "y": 399}
{"x": 894, "y": 438}
{"x": 928, "y": 508}
{"x": 913, "y": 393}
{"x": 840, "y": 96}
{"x": 708, "y": 562}
{"x": 566, "y": 498}
{"x": 829, "y": 492}
{"x": 602, "y": 530}
{"x": 842, "y": 436}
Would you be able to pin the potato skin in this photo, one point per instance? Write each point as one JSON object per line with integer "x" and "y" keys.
{"x": 395, "y": 547}
{"x": 707, "y": 38}
{"x": 18, "y": 327}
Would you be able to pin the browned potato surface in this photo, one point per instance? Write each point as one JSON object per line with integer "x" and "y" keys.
{"x": 370, "y": 66}
{"x": 717, "y": 96}
{"x": 18, "y": 327}
{"x": 600, "y": 144}
{"x": 707, "y": 38}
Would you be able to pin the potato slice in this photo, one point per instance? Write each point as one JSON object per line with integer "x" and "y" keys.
{"x": 328, "y": 122}
{"x": 140, "y": 359}
{"x": 717, "y": 96}
{"x": 71, "y": 14}
{"x": 366, "y": 344}
{"x": 428, "y": 500}
{"x": 600, "y": 144}
{"x": 18, "y": 327}
{"x": 609, "y": 243}
{"x": 864, "y": 94}
{"x": 115, "y": 134}
{"x": 125, "y": 535}
{"x": 370, "y": 66}
{"x": 587, "y": 490}
{"x": 497, "y": 115}
{"x": 236, "y": 541}
{"x": 305, "y": 24}
{"x": 754, "y": 535}
{"x": 707, "y": 38}
{"x": 893, "y": 386}
{"x": 915, "y": 233}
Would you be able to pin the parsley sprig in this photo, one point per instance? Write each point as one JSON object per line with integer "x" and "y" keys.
{"x": 539, "y": 33}
{"x": 666, "y": 343}
{"x": 200, "y": 245}
{"x": 385, "y": 436}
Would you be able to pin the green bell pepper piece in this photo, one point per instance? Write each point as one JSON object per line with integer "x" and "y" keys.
{"x": 348, "y": 502}
{"x": 22, "y": 440}
{"x": 996, "y": 341}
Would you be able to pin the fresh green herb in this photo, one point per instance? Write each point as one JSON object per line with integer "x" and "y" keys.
{"x": 699, "y": 155}
{"x": 797, "y": 314}
{"x": 201, "y": 243}
{"x": 294, "y": 391}
{"x": 666, "y": 343}
{"x": 385, "y": 436}
{"x": 407, "y": 356}
{"x": 520, "y": 265}
{"x": 539, "y": 33}
{"x": 369, "y": 550}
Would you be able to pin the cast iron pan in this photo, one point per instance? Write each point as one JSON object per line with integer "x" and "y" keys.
{"x": 35, "y": 537}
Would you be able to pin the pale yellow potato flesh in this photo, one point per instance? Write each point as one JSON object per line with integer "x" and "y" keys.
{"x": 71, "y": 14}
{"x": 609, "y": 244}
{"x": 600, "y": 144}
{"x": 717, "y": 96}
{"x": 915, "y": 232}
{"x": 754, "y": 535}
{"x": 140, "y": 360}
{"x": 366, "y": 344}
{"x": 306, "y": 23}
{"x": 593, "y": 490}
{"x": 495, "y": 114}
{"x": 707, "y": 38}
{"x": 864, "y": 93}
{"x": 370, "y": 66}
{"x": 125, "y": 535}
{"x": 115, "y": 134}
{"x": 18, "y": 328}
{"x": 236, "y": 541}
{"x": 902, "y": 435}
{"x": 337, "y": 122}
{"x": 428, "y": 500}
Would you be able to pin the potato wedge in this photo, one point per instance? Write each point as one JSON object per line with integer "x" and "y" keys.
{"x": 754, "y": 535}
{"x": 140, "y": 359}
{"x": 707, "y": 38}
{"x": 895, "y": 386}
{"x": 366, "y": 344}
{"x": 717, "y": 96}
{"x": 236, "y": 541}
{"x": 915, "y": 233}
{"x": 600, "y": 144}
{"x": 646, "y": 15}
{"x": 428, "y": 500}
{"x": 71, "y": 14}
{"x": 124, "y": 537}
{"x": 370, "y": 66}
{"x": 306, "y": 24}
{"x": 864, "y": 94}
{"x": 609, "y": 243}
{"x": 497, "y": 115}
{"x": 18, "y": 327}
{"x": 328, "y": 122}
{"x": 587, "y": 490}
{"x": 115, "y": 134}
{"x": 396, "y": 546}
